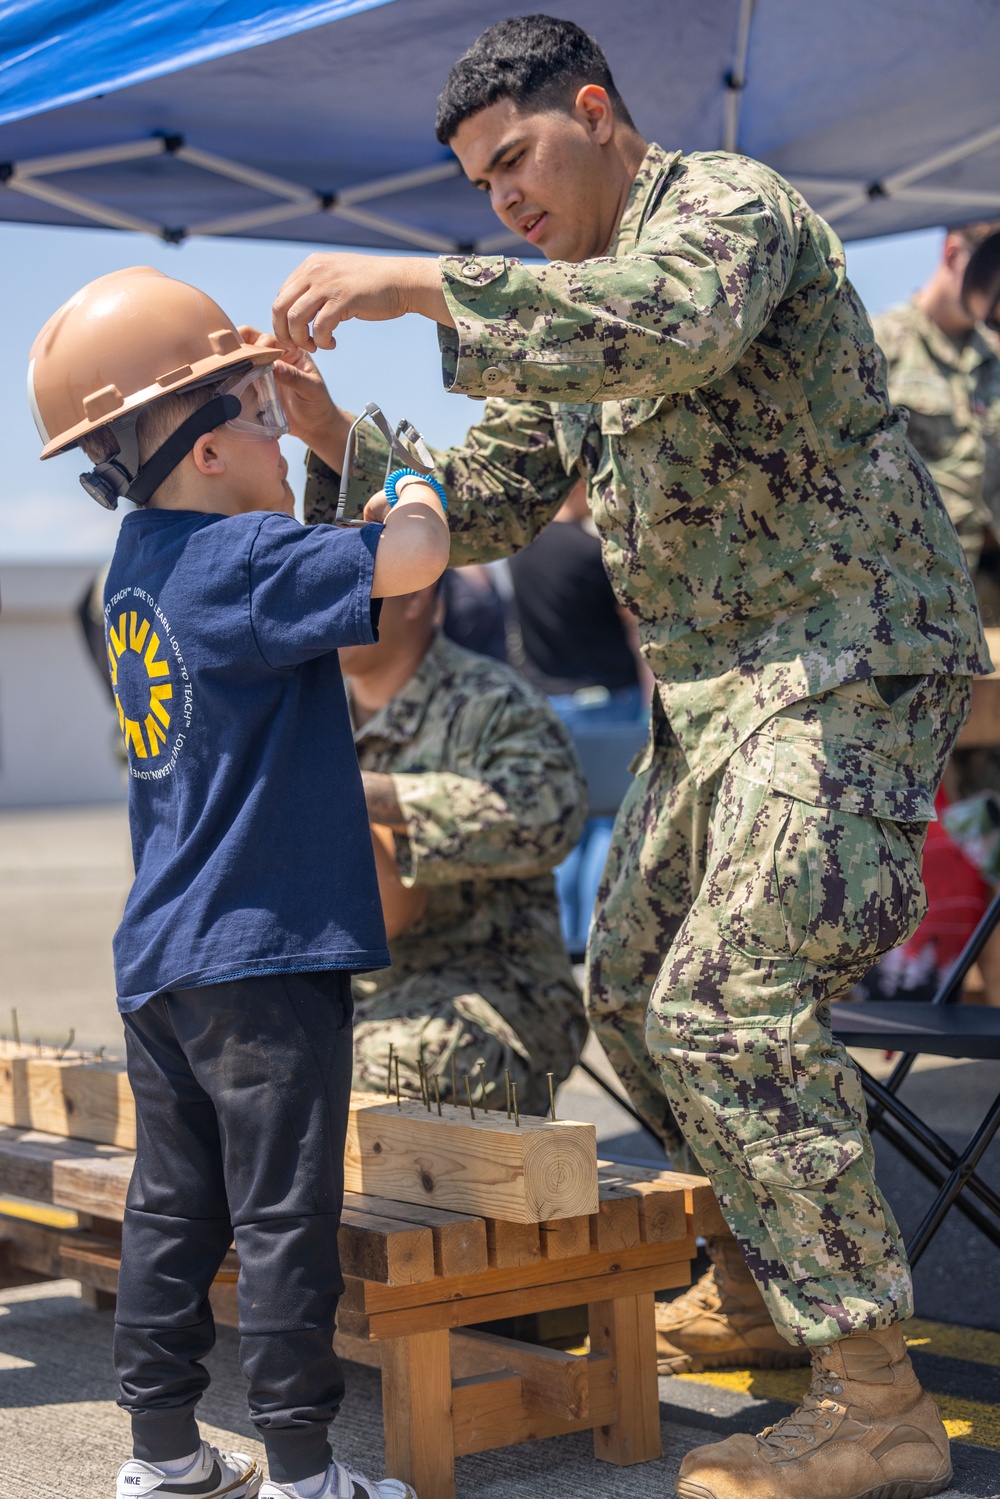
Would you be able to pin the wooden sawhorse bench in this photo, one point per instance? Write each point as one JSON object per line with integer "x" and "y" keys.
{"x": 417, "y": 1280}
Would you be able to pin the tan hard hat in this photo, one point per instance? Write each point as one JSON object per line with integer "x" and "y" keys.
{"x": 120, "y": 342}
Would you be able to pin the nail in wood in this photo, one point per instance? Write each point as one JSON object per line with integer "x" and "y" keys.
{"x": 468, "y": 1089}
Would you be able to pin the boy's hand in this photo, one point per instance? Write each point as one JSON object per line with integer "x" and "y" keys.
{"x": 312, "y": 415}
{"x": 377, "y": 508}
{"x": 326, "y": 290}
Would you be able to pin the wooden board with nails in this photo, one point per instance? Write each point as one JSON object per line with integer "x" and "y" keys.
{"x": 521, "y": 1171}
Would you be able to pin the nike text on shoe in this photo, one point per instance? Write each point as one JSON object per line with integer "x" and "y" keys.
{"x": 212, "y": 1475}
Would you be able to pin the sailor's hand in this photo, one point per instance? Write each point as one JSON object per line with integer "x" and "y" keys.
{"x": 329, "y": 289}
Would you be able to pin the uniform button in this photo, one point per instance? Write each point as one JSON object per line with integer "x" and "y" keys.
{"x": 472, "y": 268}
{"x": 492, "y": 375}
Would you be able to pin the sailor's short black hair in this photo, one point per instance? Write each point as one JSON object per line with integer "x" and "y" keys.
{"x": 536, "y": 61}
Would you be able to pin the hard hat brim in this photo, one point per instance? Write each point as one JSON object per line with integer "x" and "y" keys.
{"x": 194, "y": 374}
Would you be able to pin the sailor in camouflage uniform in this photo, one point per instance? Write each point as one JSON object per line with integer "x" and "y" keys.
{"x": 486, "y": 797}
{"x": 946, "y": 371}
{"x": 694, "y": 347}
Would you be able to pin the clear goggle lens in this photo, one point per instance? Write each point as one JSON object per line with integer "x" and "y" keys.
{"x": 261, "y": 416}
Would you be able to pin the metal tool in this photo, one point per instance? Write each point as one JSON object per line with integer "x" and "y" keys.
{"x": 407, "y": 449}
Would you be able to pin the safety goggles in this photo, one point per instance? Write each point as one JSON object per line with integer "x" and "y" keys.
{"x": 407, "y": 449}
{"x": 260, "y": 415}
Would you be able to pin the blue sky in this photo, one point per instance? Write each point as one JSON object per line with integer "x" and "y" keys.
{"x": 45, "y": 515}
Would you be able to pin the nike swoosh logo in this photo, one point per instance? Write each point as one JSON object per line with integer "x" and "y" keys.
{"x": 209, "y": 1485}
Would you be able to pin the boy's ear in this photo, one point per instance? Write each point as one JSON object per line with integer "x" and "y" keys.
{"x": 206, "y": 455}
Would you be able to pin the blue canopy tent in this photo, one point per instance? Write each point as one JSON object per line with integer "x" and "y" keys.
{"x": 315, "y": 121}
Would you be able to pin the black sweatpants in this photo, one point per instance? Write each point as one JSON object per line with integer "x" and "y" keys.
{"x": 242, "y": 1092}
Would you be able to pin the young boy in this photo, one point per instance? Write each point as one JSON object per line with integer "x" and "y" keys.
{"x": 255, "y": 896}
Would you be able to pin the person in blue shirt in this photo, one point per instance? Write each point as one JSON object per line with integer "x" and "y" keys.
{"x": 234, "y": 956}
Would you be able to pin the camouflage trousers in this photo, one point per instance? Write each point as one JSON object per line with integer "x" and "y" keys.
{"x": 452, "y": 1019}
{"x": 730, "y": 915}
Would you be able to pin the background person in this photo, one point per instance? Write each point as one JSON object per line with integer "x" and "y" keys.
{"x": 474, "y": 780}
{"x": 944, "y": 368}
{"x": 804, "y": 605}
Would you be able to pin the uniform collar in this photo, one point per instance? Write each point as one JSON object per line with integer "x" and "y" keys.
{"x": 656, "y": 165}
{"x": 976, "y": 351}
{"x": 400, "y": 719}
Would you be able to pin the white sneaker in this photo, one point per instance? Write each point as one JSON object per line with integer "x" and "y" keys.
{"x": 345, "y": 1482}
{"x": 213, "y": 1474}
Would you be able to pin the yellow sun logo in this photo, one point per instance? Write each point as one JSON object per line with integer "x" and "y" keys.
{"x": 140, "y": 696}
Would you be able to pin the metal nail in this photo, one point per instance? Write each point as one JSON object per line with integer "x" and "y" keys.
{"x": 437, "y": 1095}
{"x": 69, "y": 1042}
{"x": 388, "y": 1074}
{"x": 468, "y": 1089}
{"x": 482, "y": 1084}
{"x": 506, "y": 1073}
{"x": 517, "y": 1117}
{"x": 552, "y": 1097}
{"x": 14, "y": 1026}
{"x": 398, "y": 1103}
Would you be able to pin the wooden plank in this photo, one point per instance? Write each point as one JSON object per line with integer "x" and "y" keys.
{"x": 376, "y": 1298}
{"x": 700, "y": 1202}
{"x": 66, "y": 1096}
{"x": 93, "y": 1184}
{"x": 459, "y": 1238}
{"x": 490, "y": 1166}
{"x": 30, "y": 1160}
{"x": 416, "y": 1408}
{"x": 553, "y": 1383}
{"x": 510, "y": 1244}
{"x": 489, "y": 1411}
{"x": 661, "y": 1202}
{"x": 615, "y": 1225}
{"x": 94, "y": 1263}
{"x": 565, "y": 1238}
{"x": 357, "y": 1350}
{"x": 385, "y": 1250}
{"x": 427, "y": 1318}
{"x": 625, "y": 1329}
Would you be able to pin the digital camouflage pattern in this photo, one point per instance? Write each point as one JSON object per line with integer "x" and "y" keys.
{"x": 747, "y": 903}
{"x": 760, "y": 509}
{"x": 717, "y": 381}
{"x": 494, "y": 799}
{"x": 952, "y": 395}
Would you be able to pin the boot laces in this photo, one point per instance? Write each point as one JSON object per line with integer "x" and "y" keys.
{"x": 813, "y": 1416}
{"x": 701, "y": 1297}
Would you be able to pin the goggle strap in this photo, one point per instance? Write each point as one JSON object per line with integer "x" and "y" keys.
{"x": 213, "y": 414}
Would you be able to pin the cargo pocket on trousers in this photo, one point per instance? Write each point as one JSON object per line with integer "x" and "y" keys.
{"x": 818, "y": 1201}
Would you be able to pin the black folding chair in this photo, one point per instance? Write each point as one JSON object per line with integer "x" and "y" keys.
{"x": 943, "y": 1028}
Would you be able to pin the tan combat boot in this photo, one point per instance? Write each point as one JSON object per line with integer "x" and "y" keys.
{"x": 865, "y": 1430}
{"x": 722, "y": 1321}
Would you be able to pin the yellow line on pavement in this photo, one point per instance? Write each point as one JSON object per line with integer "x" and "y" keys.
{"x": 974, "y": 1344}
{"x": 965, "y": 1420}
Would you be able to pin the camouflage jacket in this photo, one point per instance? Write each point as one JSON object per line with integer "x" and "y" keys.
{"x": 716, "y": 379}
{"x": 952, "y": 395}
{"x": 494, "y": 798}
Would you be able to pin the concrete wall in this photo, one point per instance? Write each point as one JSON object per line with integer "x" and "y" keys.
{"x": 58, "y": 726}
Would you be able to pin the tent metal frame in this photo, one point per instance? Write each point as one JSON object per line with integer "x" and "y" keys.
{"x": 294, "y": 201}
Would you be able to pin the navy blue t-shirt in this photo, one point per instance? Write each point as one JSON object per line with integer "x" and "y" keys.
{"x": 249, "y": 831}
